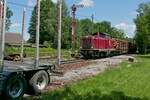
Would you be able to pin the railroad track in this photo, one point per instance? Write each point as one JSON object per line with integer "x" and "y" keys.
{"x": 72, "y": 61}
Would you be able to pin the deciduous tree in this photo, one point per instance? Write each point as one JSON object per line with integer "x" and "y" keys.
{"x": 142, "y": 22}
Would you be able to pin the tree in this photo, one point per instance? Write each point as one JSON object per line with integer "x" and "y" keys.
{"x": 106, "y": 27}
{"x": 142, "y": 22}
{"x": 9, "y": 14}
{"x": 48, "y": 23}
{"x": 103, "y": 26}
{"x": 85, "y": 27}
{"x": 117, "y": 33}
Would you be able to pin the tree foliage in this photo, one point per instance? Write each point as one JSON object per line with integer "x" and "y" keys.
{"x": 9, "y": 14}
{"x": 106, "y": 27}
{"x": 48, "y": 23}
{"x": 142, "y": 22}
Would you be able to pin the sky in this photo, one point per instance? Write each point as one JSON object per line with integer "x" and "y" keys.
{"x": 120, "y": 13}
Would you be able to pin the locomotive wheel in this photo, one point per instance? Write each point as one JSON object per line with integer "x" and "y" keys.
{"x": 15, "y": 87}
{"x": 38, "y": 82}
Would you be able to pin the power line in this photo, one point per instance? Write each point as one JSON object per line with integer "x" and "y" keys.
{"x": 21, "y": 5}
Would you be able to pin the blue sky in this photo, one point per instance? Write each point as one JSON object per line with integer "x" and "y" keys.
{"x": 119, "y": 12}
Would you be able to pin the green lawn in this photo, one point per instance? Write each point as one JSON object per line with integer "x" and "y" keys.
{"x": 129, "y": 82}
{"x": 30, "y": 52}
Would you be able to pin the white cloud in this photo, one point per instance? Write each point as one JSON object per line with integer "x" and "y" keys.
{"x": 31, "y": 2}
{"x": 54, "y": 1}
{"x": 129, "y": 29}
{"x": 87, "y": 3}
{"x": 134, "y": 13}
{"x": 15, "y": 25}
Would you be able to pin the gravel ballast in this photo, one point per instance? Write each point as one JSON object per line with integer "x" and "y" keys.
{"x": 82, "y": 72}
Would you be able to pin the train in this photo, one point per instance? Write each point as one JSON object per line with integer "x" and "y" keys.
{"x": 102, "y": 45}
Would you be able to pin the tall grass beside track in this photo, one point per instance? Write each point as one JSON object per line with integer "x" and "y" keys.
{"x": 131, "y": 81}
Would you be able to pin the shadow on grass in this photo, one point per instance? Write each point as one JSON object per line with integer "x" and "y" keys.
{"x": 144, "y": 56}
{"x": 68, "y": 94}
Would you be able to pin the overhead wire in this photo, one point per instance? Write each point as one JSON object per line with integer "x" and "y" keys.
{"x": 16, "y": 19}
{"x": 21, "y": 5}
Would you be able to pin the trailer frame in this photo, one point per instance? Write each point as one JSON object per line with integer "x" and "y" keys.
{"x": 18, "y": 79}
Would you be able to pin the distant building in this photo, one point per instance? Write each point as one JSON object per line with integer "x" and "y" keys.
{"x": 14, "y": 39}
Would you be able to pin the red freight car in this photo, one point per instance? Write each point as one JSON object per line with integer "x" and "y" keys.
{"x": 97, "y": 45}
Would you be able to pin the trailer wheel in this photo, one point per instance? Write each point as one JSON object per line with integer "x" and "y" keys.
{"x": 15, "y": 87}
{"x": 38, "y": 82}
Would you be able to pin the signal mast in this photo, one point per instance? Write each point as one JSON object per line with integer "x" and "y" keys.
{"x": 74, "y": 8}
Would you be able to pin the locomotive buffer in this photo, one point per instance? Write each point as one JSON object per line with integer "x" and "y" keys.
{"x": 15, "y": 79}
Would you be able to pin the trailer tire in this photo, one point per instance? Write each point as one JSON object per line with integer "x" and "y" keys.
{"x": 38, "y": 82}
{"x": 15, "y": 87}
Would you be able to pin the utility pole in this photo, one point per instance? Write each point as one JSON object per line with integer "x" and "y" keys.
{"x": 3, "y": 36}
{"x": 74, "y": 9}
{"x": 92, "y": 17}
{"x": 37, "y": 33}
{"x": 22, "y": 35}
{"x": 59, "y": 31}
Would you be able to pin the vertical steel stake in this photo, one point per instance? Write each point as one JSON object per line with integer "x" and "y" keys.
{"x": 3, "y": 37}
{"x": 37, "y": 33}
{"x": 22, "y": 34}
{"x": 59, "y": 31}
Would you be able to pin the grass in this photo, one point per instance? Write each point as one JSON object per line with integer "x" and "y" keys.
{"x": 30, "y": 52}
{"x": 129, "y": 82}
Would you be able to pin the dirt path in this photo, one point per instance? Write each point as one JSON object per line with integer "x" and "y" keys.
{"x": 96, "y": 67}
